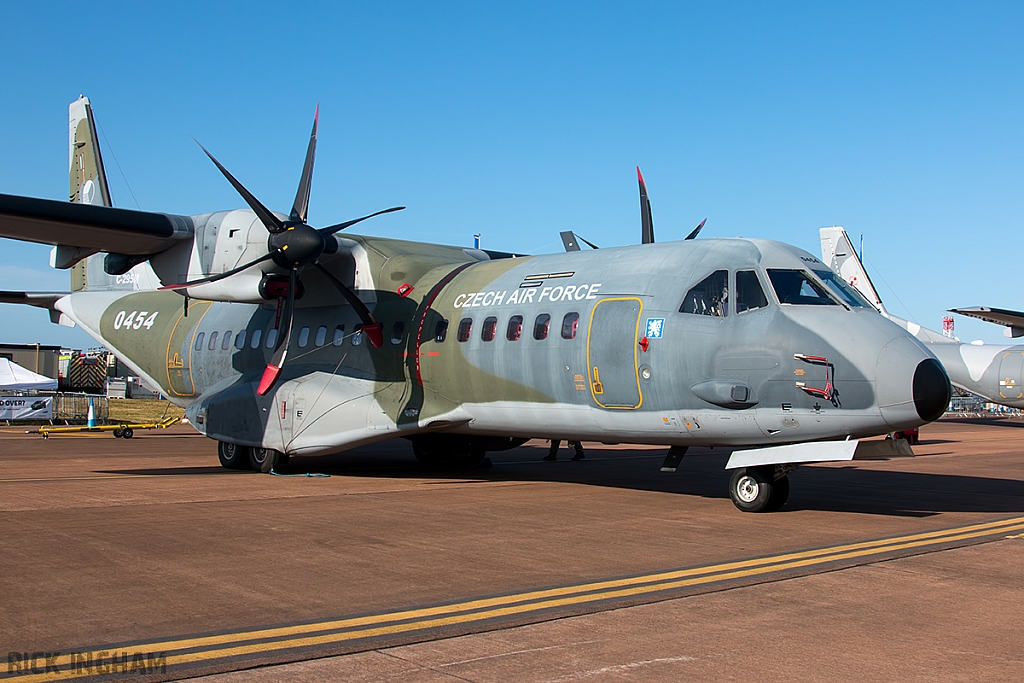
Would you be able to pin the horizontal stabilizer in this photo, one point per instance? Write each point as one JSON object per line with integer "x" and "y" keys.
{"x": 1014, "y": 320}
{"x": 119, "y": 231}
{"x": 47, "y": 300}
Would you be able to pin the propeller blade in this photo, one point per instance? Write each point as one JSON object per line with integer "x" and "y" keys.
{"x": 269, "y": 220}
{"x": 646, "y": 219}
{"x": 273, "y": 370}
{"x": 569, "y": 241}
{"x": 341, "y": 226}
{"x": 372, "y": 328}
{"x": 221, "y": 276}
{"x": 301, "y": 206}
{"x": 696, "y": 230}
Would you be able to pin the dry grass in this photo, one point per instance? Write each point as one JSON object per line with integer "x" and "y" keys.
{"x": 142, "y": 410}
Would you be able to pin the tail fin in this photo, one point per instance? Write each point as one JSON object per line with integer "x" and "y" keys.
{"x": 838, "y": 252}
{"x": 87, "y": 185}
{"x": 85, "y": 163}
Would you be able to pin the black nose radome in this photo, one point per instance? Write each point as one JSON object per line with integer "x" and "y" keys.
{"x": 931, "y": 389}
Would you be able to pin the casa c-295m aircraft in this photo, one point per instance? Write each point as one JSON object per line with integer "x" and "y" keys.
{"x": 282, "y": 339}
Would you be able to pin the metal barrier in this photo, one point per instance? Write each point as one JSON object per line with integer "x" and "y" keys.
{"x": 69, "y": 407}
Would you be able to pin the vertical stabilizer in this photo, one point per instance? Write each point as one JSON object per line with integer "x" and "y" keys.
{"x": 838, "y": 252}
{"x": 88, "y": 185}
{"x": 85, "y": 163}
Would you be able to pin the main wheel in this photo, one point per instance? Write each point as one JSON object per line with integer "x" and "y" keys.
{"x": 232, "y": 456}
{"x": 118, "y": 433}
{"x": 127, "y": 433}
{"x": 263, "y": 459}
{"x": 752, "y": 488}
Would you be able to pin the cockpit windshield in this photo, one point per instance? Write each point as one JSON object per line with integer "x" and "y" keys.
{"x": 841, "y": 289}
{"x": 797, "y": 287}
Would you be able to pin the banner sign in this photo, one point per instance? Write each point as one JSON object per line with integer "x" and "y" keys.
{"x": 26, "y": 407}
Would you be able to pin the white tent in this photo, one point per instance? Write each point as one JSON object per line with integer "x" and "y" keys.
{"x": 13, "y": 377}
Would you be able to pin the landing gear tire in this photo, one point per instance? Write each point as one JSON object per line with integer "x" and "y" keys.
{"x": 232, "y": 456}
{"x": 264, "y": 459}
{"x": 755, "y": 489}
{"x": 127, "y": 433}
{"x": 118, "y": 433}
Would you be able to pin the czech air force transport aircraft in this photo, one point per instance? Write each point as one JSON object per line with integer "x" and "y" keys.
{"x": 282, "y": 339}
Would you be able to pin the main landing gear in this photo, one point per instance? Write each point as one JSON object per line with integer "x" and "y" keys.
{"x": 235, "y": 457}
{"x": 764, "y": 488}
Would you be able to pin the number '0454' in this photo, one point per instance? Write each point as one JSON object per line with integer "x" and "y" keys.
{"x": 135, "y": 320}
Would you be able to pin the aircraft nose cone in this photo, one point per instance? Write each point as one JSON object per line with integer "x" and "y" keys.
{"x": 931, "y": 389}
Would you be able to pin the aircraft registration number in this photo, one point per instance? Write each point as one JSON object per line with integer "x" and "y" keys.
{"x": 135, "y": 320}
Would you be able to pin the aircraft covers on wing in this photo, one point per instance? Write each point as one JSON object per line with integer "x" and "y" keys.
{"x": 13, "y": 377}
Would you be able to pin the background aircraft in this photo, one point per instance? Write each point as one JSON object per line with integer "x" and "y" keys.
{"x": 280, "y": 338}
{"x": 992, "y": 371}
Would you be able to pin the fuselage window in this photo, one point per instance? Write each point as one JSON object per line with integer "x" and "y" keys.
{"x": 357, "y": 335}
{"x": 796, "y": 287}
{"x": 226, "y": 344}
{"x": 199, "y": 341}
{"x": 488, "y": 329}
{"x": 465, "y": 327}
{"x": 397, "y": 332}
{"x": 271, "y": 337}
{"x": 441, "y": 331}
{"x": 213, "y": 341}
{"x": 709, "y": 297}
{"x": 303, "y": 337}
{"x": 321, "y": 336}
{"x": 240, "y": 340}
{"x": 844, "y": 291}
{"x": 541, "y": 326}
{"x": 339, "y": 335}
{"x": 749, "y": 294}
{"x": 255, "y": 341}
{"x": 570, "y": 323}
{"x": 515, "y": 328}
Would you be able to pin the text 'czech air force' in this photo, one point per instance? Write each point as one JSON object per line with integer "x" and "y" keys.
{"x": 528, "y": 295}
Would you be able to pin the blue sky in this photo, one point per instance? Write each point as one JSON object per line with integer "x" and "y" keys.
{"x": 901, "y": 121}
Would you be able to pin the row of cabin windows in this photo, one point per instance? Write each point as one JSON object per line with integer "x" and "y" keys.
{"x": 319, "y": 339}
{"x": 513, "y": 330}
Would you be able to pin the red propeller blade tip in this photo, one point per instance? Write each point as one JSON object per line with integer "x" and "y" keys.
{"x": 269, "y": 378}
{"x": 639, "y": 175}
{"x": 375, "y": 334}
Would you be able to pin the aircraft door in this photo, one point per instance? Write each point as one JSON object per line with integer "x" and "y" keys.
{"x": 179, "y": 349}
{"x": 612, "y": 353}
{"x": 1011, "y": 375}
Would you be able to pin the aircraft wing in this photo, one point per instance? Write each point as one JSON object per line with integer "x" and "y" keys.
{"x": 100, "y": 228}
{"x": 1014, "y": 320}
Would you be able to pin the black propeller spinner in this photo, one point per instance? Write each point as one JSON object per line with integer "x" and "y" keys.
{"x": 293, "y": 245}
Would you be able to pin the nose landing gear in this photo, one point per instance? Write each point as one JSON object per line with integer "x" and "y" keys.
{"x": 764, "y": 488}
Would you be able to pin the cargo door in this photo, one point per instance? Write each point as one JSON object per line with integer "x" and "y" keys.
{"x": 612, "y": 353}
{"x": 1011, "y": 369}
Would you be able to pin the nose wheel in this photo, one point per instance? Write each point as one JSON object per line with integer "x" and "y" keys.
{"x": 755, "y": 489}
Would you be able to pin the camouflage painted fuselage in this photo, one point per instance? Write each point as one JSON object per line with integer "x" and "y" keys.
{"x": 614, "y": 376}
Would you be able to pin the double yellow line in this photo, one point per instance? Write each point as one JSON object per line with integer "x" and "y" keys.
{"x": 206, "y": 649}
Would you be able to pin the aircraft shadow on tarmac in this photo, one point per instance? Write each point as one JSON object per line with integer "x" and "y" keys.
{"x": 702, "y": 473}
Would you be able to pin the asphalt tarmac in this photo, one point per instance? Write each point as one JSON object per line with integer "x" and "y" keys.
{"x": 143, "y": 558}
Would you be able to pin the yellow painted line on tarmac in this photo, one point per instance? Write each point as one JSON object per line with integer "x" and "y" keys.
{"x": 21, "y": 480}
{"x": 240, "y": 643}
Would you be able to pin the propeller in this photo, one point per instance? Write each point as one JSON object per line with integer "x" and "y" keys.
{"x": 646, "y": 219}
{"x": 293, "y": 245}
{"x": 696, "y": 230}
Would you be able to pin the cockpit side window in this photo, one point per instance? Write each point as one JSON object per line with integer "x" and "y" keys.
{"x": 709, "y": 297}
{"x": 797, "y": 287}
{"x": 749, "y": 294}
{"x": 844, "y": 291}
